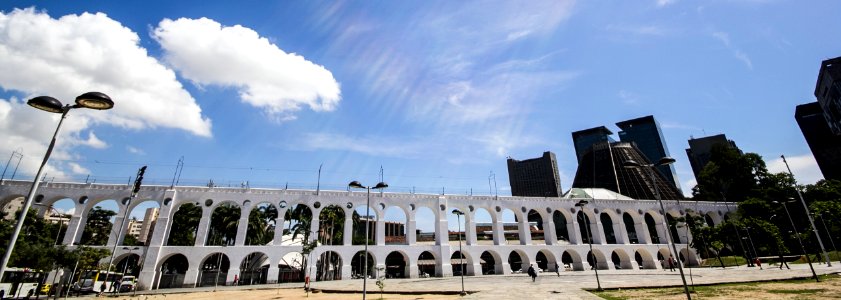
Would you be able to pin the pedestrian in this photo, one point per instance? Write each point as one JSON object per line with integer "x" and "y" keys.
{"x": 236, "y": 279}
{"x": 2, "y": 294}
{"x": 783, "y": 262}
{"x": 115, "y": 286}
{"x": 558, "y": 269}
{"x": 671, "y": 263}
{"x": 29, "y": 294}
{"x": 102, "y": 289}
{"x": 757, "y": 262}
{"x": 532, "y": 273}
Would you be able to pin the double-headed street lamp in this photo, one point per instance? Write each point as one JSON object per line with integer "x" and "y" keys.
{"x": 808, "y": 215}
{"x": 649, "y": 169}
{"x": 458, "y": 214}
{"x": 581, "y": 204}
{"x": 355, "y": 184}
{"x": 809, "y": 260}
{"x": 92, "y": 100}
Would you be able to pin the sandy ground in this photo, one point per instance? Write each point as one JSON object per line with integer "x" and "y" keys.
{"x": 828, "y": 288}
{"x": 266, "y": 294}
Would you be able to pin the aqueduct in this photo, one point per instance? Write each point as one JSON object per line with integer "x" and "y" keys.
{"x": 626, "y": 233}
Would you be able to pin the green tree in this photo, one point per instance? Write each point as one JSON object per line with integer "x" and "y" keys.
{"x": 730, "y": 175}
{"x": 98, "y": 227}
{"x": 223, "y": 225}
{"x": 260, "y": 227}
{"x": 185, "y": 224}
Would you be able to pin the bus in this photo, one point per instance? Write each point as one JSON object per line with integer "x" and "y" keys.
{"x": 90, "y": 281}
{"x": 17, "y": 282}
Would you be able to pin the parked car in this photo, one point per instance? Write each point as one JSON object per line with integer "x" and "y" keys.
{"x": 127, "y": 284}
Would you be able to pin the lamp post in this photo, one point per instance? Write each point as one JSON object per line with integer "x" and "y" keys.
{"x": 130, "y": 250}
{"x": 750, "y": 239}
{"x": 809, "y": 260}
{"x": 829, "y": 235}
{"x": 355, "y": 184}
{"x": 92, "y": 100}
{"x": 219, "y": 268}
{"x": 580, "y": 205}
{"x": 458, "y": 214}
{"x": 648, "y": 168}
{"x": 127, "y": 202}
{"x": 809, "y": 216}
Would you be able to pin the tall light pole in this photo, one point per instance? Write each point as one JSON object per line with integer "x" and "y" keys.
{"x": 355, "y": 184}
{"x": 219, "y": 267}
{"x": 127, "y": 203}
{"x": 581, "y": 204}
{"x": 92, "y": 100}
{"x": 808, "y": 215}
{"x": 130, "y": 250}
{"x": 458, "y": 214}
{"x": 750, "y": 239}
{"x": 809, "y": 260}
{"x": 829, "y": 235}
{"x": 648, "y": 168}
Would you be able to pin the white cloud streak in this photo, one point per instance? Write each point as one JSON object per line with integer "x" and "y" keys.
{"x": 267, "y": 77}
{"x": 804, "y": 167}
{"x": 724, "y": 38}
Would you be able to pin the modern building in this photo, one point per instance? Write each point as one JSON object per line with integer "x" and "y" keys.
{"x": 825, "y": 146}
{"x": 133, "y": 227}
{"x": 584, "y": 139}
{"x": 700, "y": 149}
{"x": 536, "y": 177}
{"x": 645, "y": 133}
{"x": 149, "y": 220}
{"x": 828, "y": 92}
{"x": 602, "y": 167}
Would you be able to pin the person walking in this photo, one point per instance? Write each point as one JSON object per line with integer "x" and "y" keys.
{"x": 558, "y": 269}
{"x": 102, "y": 289}
{"x": 532, "y": 273}
{"x": 671, "y": 263}
{"x": 783, "y": 262}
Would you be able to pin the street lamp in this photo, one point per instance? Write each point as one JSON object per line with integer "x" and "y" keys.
{"x": 219, "y": 267}
{"x": 750, "y": 239}
{"x": 581, "y": 204}
{"x": 828, "y": 234}
{"x": 808, "y": 216}
{"x": 125, "y": 267}
{"x": 92, "y": 100}
{"x": 815, "y": 275}
{"x": 458, "y": 214}
{"x": 649, "y": 168}
{"x": 355, "y": 184}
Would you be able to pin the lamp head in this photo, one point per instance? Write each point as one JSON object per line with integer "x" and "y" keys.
{"x": 582, "y": 203}
{"x": 95, "y": 100}
{"x": 355, "y": 184}
{"x": 630, "y": 164}
{"x": 665, "y": 161}
{"x": 380, "y": 185}
{"x": 46, "y": 103}
{"x": 458, "y": 212}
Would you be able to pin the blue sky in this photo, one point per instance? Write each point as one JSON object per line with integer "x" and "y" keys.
{"x": 437, "y": 93}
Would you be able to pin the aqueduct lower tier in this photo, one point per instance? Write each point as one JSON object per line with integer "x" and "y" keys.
{"x": 626, "y": 234}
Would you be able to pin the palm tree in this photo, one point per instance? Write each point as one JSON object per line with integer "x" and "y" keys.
{"x": 223, "y": 225}
{"x": 185, "y": 223}
{"x": 260, "y": 231}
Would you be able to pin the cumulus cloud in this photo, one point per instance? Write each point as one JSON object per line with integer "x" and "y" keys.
{"x": 724, "y": 38}
{"x": 135, "y": 150}
{"x": 73, "y": 54}
{"x": 804, "y": 167}
{"x": 207, "y": 53}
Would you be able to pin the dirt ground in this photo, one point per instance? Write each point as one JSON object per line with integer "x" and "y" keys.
{"x": 269, "y": 294}
{"x": 828, "y": 288}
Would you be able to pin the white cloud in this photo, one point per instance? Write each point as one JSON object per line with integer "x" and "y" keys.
{"x": 267, "y": 77}
{"x": 661, "y": 3}
{"x": 628, "y": 97}
{"x": 77, "y": 169}
{"x": 134, "y": 150}
{"x": 368, "y": 145}
{"x": 724, "y": 38}
{"x": 641, "y": 30}
{"x": 804, "y": 167}
{"x": 74, "y": 54}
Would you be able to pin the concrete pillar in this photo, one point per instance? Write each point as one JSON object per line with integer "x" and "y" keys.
{"x": 380, "y": 232}
{"x": 622, "y": 234}
{"x": 446, "y": 261}
{"x": 191, "y": 277}
{"x": 315, "y": 224}
{"x": 642, "y": 232}
{"x": 574, "y": 232}
{"x": 411, "y": 232}
{"x": 278, "y": 228}
{"x": 232, "y": 271}
{"x": 469, "y": 229}
{"x": 442, "y": 234}
{"x": 413, "y": 270}
{"x": 115, "y": 236}
{"x": 347, "y": 234}
{"x": 242, "y": 229}
{"x": 506, "y": 268}
{"x": 274, "y": 271}
{"x": 73, "y": 233}
{"x": 346, "y": 269}
{"x": 499, "y": 231}
{"x": 596, "y": 230}
{"x": 549, "y": 234}
{"x": 204, "y": 226}
{"x": 524, "y": 230}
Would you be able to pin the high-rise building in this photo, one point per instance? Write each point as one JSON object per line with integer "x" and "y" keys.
{"x": 828, "y": 92}
{"x": 149, "y": 220}
{"x": 700, "y": 149}
{"x": 602, "y": 166}
{"x": 584, "y": 139}
{"x": 536, "y": 177}
{"x": 133, "y": 228}
{"x": 645, "y": 133}
{"x": 825, "y": 146}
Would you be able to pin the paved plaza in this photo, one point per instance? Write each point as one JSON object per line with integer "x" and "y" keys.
{"x": 569, "y": 285}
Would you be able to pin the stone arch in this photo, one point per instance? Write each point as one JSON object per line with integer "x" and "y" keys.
{"x": 128, "y": 263}
{"x": 651, "y": 226}
{"x": 545, "y": 260}
{"x": 462, "y": 263}
{"x": 56, "y": 213}
{"x": 184, "y": 224}
{"x": 262, "y": 223}
{"x": 535, "y": 221}
{"x": 213, "y": 270}
{"x": 630, "y": 228}
{"x": 395, "y": 219}
{"x": 426, "y": 225}
{"x": 428, "y": 264}
{"x": 254, "y": 269}
{"x": 662, "y": 255}
{"x": 172, "y": 270}
{"x": 223, "y": 225}
{"x": 491, "y": 263}
{"x": 644, "y": 259}
{"x": 518, "y": 261}
{"x": 291, "y": 267}
{"x": 572, "y": 260}
{"x": 621, "y": 260}
{"x": 562, "y": 225}
{"x": 484, "y": 226}
{"x": 601, "y": 261}
{"x": 357, "y": 265}
{"x": 99, "y": 222}
{"x": 331, "y": 227}
{"x": 511, "y": 227}
{"x": 712, "y": 219}
{"x": 329, "y": 266}
{"x": 671, "y": 220}
{"x": 397, "y": 265}
{"x": 607, "y": 228}
{"x": 140, "y": 224}
{"x": 688, "y": 257}
{"x": 297, "y": 221}
{"x": 584, "y": 221}
{"x": 360, "y": 222}
{"x": 457, "y": 225}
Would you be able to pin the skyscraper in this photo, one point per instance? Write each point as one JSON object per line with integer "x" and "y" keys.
{"x": 700, "y": 149}
{"x": 535, "y": 177}
{"x": 645, "y": 133}
{"x": 828, "y": 92}
{"x": 584, "y": 139}
{"x": 825, "y": 146}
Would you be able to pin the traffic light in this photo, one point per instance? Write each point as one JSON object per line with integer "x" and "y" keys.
{"x": 139, "y": 179}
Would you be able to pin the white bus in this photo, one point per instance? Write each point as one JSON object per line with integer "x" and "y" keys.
{"x": 17, "y": 282}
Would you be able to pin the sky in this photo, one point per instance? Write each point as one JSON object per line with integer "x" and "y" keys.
{"x": 431, "y": 95}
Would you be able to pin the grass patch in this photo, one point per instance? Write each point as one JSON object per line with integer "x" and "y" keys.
{"x": 829, "y": 287}
{"x": 797, "y": 292}
{"x": 729, "y": 261}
